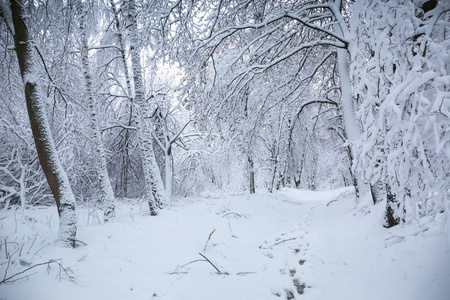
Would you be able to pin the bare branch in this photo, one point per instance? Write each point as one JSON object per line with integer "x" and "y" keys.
{"x": 218, "y": 271}
{"x": 55, "y": 261}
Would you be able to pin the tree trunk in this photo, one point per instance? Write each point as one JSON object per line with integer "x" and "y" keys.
{"x": 120, "y": 38}
{"x": 169, "y": 171}
{"x": 123, "y": 181}
{"x": 298, "y": 181}
{"x": 45, "y": 146}
{"x": 251, "y": 175}
{"x": 378, "y": 191}
{"x": 391, "y": 203}
{"x": 274, "y": 170}
{"x": 351, "y": 127}
{"x": 106, "y": 191}
{"x": 154, "y": 189}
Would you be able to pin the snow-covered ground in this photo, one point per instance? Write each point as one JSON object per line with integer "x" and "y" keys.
{"x": 265, "y": 246}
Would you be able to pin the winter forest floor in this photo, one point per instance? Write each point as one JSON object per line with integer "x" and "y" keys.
{"x": 288, "y": 245}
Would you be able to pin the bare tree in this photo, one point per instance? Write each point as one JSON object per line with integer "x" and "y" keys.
{"x": 106, "y": 191}
{"x": 48, "y": 157}
{"x": 154, "y": 189}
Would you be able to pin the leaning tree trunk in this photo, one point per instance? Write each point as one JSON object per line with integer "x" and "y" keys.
{"x": 154, "y": 189}
{"x": 106, "y": 191}
{"x": 45, "y": 146}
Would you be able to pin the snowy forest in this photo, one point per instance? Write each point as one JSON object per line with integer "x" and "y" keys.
{"x": 225, "y": 149}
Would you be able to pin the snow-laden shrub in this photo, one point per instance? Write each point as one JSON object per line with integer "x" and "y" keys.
{"x": 401, "y": 79}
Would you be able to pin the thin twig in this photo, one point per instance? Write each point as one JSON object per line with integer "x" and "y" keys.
{"x": 6, "y": 248}
{"x": 218, "y": 271}
{"x": 7, "y": 267}
{"x": 41, "y": 249}
{"x": 81, "y": 242}
{"x": 277, "y": 243}
{"x": 21, "y": 248}
{"x": 332, "y": 201}
{"x": 209, "y": 237}
{"x": 337, "y": 198}
{"x": 282, "y": 241}
{"x": 232, "y": 213}
{"x": 17, "y": 274}
{"x": 191, "y": 262}
{"x": 8, "y": 279}
{"x": 15, "y": 221}
{"x": 244, "y": 273}
{"x": 26, "y": 276}
{"x": 34, "y": 240}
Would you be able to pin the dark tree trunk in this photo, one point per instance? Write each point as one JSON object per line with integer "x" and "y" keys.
{"x": 45, "y": 146}
{"x": 354, "y": 179}
{"x": 378, "y": 192}
{"x": 391, "y": 207}
{"x": 252, "y": 175}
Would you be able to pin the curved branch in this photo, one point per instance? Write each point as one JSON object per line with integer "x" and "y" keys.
{"x": 321, "y": 101}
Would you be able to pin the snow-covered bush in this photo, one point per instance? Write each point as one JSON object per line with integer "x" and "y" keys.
{"x": 401, "y": 79}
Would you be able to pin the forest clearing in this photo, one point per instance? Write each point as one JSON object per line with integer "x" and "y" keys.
{"x": 292, "y": 244}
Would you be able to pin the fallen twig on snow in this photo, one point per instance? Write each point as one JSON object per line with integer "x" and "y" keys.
{"x": 191, "y": 262}
{"x": 81, "y": 242}
{"x": 337, "y": 198}
{"x": 282, "y": 241}
{"x": 277, "y": 243}
{"x": 218, "y": 271}
{"x": 209, "y": 237}
{"x": 244, "y": 273}
{"x": 232, "y": 213}
{"x": 56, "y": 261}
{"x": 199, "y": 260}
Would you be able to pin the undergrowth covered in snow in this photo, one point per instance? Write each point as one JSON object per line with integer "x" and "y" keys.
{"x": 292, "y": 244}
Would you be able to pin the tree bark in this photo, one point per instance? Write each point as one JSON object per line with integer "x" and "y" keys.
{"x": 351, "y": 127}
{"x": 391, "y": 208}
{"x": 168, "y": 171}
{"x": 125, "y": 153}
{"x": 378, "y": 191}
{"x": 251, "y": 171}
{"x": 45, "y": 146}
{"x": 106, "y": 192}
{"x": 154, "y": 189}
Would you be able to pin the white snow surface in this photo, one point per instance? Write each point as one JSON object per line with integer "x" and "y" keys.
{"x": 261, "y": 244}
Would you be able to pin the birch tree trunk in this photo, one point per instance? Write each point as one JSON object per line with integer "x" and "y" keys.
{"x": 43, "y": 138}
{"x": 163, "y": 145}
{"x": 122, "y": 50}
{"x": 351, "y": 126}
{"x": 106, "y": 192}
{"x": 154, "y": 189}
{"x": 120, "y": 37}
{"x": 348, "y": 103}
{"x": 169, "y": 171}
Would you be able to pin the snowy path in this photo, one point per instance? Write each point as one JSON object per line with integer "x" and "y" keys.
{"x": 282, "y": 246}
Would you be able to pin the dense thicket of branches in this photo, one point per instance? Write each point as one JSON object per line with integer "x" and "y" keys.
{"x": 187, "y": 97}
